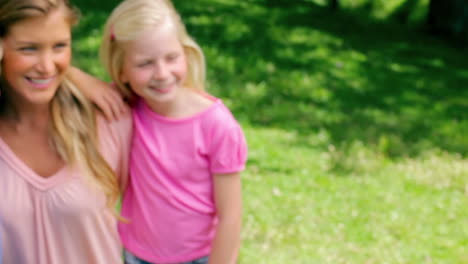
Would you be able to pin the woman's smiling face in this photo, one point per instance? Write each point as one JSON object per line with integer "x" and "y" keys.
{"x": 36, "y": 55}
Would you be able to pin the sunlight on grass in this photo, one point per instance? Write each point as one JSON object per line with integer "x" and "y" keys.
{"x": 380, "y": 211}
{"x": 403, "y": 68}
{"x": 383, "y": 9}
{"x": 438, "y": 169}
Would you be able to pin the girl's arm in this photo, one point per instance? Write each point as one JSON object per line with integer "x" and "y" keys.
{"x": 226, "y": 244}
{"x": 103, "y": 95}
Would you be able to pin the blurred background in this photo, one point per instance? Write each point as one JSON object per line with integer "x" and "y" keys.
{"x": 356, "y": 114}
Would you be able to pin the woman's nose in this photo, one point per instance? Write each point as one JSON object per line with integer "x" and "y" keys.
{"x": 46, "y": 65}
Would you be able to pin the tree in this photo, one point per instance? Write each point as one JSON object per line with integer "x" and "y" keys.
{"x": 449, "y": 18}
{"x": 333, "y": 4}
{"x": 403, "y": 12}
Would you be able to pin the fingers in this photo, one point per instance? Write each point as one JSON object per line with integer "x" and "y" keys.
{"x": 110, "y": 104}
{"x": 104, "y": 107}
{"x": 106, "y": 97}
{"x": 117, "y": 106}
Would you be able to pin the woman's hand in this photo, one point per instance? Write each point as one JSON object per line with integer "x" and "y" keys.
{"x": 107, "y": 99}
{"x": 104, "y": 95}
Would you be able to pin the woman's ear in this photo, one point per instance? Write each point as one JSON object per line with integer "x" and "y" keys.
{"x": 1, "y": 49}
{"x": 1, "y": 54}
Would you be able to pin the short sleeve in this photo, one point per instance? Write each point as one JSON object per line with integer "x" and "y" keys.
{"x": 124, "y": 132}
{"x": 116, "y": 140}
{"x": 228, "y": 152}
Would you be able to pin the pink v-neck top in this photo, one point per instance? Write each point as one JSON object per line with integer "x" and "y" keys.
{"x": 61, "y": 219}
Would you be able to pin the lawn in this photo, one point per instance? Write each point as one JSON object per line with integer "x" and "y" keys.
{"x": 357, "y": 130}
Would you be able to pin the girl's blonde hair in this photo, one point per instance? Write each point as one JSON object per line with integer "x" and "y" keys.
{"x": 127, "y": 22}
{"x": 73, "y": 126}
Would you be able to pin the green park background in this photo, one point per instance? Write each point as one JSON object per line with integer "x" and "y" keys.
{"x": 357, "y": 126}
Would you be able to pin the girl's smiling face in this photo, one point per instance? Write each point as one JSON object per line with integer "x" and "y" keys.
{"x": 155, "y": 65}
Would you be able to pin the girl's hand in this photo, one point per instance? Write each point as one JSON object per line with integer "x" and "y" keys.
{"x": 228, "y": 199}
{"x": 104, "y": 95}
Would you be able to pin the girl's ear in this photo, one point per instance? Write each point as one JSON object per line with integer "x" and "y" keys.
{"x": 123, "y": 77}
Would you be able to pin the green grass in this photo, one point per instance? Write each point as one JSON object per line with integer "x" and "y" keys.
{"x": 310, "y": 205}
{"x": 357, "y": 129}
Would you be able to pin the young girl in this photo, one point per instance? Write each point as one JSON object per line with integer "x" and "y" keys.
{"x": 183, "y": 200}
{"x": 58, "y": 161}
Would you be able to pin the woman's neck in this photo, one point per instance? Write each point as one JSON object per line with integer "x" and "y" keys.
{"x": 22, "y": 116}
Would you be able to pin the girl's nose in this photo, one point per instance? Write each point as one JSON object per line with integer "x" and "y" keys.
{"x": 161, "y": 71}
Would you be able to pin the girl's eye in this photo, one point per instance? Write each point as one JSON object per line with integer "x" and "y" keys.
{"x": 145, "y": 63}
{"x": 172, "y": 57}
{"x": 27, "y": 49}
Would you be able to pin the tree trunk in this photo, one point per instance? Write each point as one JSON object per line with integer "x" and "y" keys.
{"x": 449, "y": 18}
{"x": 438, "y": 12}
{"x": 333, "y": 4}
{"x": 403, "y": 12}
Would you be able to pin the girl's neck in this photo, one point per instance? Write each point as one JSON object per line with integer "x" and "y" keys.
{"x": 165, "y": 109}
{"x": 187, "y": 103}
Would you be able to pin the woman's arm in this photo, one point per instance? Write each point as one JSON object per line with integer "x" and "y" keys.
{"x": 228, "y": 198}
{"x": 102, "y": 94}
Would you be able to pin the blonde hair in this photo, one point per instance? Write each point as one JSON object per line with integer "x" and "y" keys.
{"x": 73, "y": 126}
{"x": 127, "y": 22}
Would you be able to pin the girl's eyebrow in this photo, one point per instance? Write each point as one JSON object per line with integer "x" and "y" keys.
{"x": 141, "y": 58}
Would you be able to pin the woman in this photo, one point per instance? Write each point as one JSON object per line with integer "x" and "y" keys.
{"x": 62, "y": 167}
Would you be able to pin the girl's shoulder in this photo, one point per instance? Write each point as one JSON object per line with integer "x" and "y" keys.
{"x": 198, "y": 104}
{"x": 218, "y": 120}
{"x": 215, "y": 112}
{"x": 203, "y": 108}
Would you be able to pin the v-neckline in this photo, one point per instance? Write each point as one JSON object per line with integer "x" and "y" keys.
{"x": 31, "y": 176}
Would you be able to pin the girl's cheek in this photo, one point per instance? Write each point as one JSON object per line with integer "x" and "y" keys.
{"x": 145, "y": 76}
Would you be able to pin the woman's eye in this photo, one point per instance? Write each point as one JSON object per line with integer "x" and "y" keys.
{"x": 61, "y": 45}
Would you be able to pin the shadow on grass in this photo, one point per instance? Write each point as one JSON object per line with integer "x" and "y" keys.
{"x": 301, "y": 67}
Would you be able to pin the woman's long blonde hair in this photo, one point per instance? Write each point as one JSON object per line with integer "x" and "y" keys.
{"x": 127, "y": 22}
{"x": 73, "y": 126}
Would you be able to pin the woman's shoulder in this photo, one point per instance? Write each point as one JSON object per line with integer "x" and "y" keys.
{"x": 121, "y": 127}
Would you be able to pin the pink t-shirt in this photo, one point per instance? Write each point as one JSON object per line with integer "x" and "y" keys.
{"x": 61, "y": 219}
{"x": 169, "y": 200}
